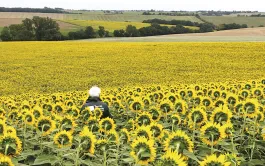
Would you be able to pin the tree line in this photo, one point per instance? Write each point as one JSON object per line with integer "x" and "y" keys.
{"x": 33, "y": 10}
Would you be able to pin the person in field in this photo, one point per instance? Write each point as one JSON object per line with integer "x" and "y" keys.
{"x": 94, "y": 101}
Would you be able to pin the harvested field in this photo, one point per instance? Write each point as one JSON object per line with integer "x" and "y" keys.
{"x": 8, "y": 21}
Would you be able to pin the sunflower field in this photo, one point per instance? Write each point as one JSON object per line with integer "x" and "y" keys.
{"x": 183, "y": 124}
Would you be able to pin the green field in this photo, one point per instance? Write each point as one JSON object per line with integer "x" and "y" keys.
{"x": 1, "y": 28}
{"x": 130, "y": 16}
{"x": 250, "y": 21}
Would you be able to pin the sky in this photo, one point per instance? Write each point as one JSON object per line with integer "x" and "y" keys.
{"x": 190, "y": 5}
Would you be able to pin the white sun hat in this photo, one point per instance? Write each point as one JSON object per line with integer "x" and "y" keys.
{"x": 94, "y": 91}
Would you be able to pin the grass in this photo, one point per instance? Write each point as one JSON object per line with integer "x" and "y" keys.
{"x": 1, "y": 28}
{"x": 65, "y": 66}
{"x": 250, "y": 21}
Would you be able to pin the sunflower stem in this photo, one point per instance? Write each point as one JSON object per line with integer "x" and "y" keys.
{"x": 212, "y": 150}
{"x": 6, "y": 149}
{"x": 194, "y": 126}
{"x": 105, "y": 157}
{"x": 254, "y": 142}
{"x": 77, "y": 154}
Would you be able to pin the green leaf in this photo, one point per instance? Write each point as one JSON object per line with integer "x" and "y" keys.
{"x": 45, "y": 159}
{"x": 190, "y": 155}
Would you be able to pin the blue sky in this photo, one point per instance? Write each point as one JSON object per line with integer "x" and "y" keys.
{"x": 141, "y": 4}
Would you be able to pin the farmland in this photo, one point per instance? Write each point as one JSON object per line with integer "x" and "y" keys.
{"x": 250, "y": 21}
{"x": 171, "y": 105}
{"x": 100, "y": 16}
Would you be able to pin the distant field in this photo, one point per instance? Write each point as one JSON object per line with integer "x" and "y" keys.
{"x": 108, "y": 25}
{"x": 250, "y": 21}
{"x": 130, "y": 16}
{"x": 238, "y": 35}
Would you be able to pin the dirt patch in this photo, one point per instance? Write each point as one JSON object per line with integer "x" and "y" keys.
{"x": 9, "y": 21}
{"x": 64, "y": 25}
{"x": 236, "y": 32}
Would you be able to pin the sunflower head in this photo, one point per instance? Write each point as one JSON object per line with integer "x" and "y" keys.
{"x": 68, "y": 123}
{"x": 155, "y": 113}
{"x": 197, "y": 116}
{"x": 171, "y": 157}
{"x": 88, "y": 140}
{"x": 10, "y": 145}
{"x": 144, "y": 119}
{"x": 175, "y": 119}
{"x": 221, "y": 115}
{"x": 125, "y": 135}
{"x": 97, "y": 113}
{"x": 11, "y": 130}
{"x": 250, "y": 107}
{"x": 136, "y": 105}
{"x": 166, "y": 106}
{"x": 45, "y": 125}
{"x": 107, "y": 124}
{"x": 3, "y": 127}
{"x": 85, "y": 114}
{"x": 212, "y": 133}
{"x": 93, "y": 124}
{"x": 37, "y": 112}
{"x": 181, "y": 107}
{"x": 144, "y": 131}
{"x": 63, "y": 139}
{"x": 214, "y": 160}
{"x": 179, "y": 141}
{"x": 157, "y": 130}
{"x": 113, "y": 136}
{"x": 5, "y": 160}
{"x": 29, "y": 118}
{"x": 143, "y": 151}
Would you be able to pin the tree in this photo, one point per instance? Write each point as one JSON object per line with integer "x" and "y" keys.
{"x": 206, "y": 27}
{"x": 119, "y": 33}
{"x": 132, "y": 31}
{"x": 90, "y": 32}
{"x": 5, "y": 34}
{"x": 46, "y": 28}
{"x": 101, "y": 31}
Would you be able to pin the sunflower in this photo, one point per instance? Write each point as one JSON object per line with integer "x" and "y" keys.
{"x": 5, "y": 160}
{"x": 93, "y": 124}
{"x": 179, "y": 141}
{"x": 244, "y": 93}
{"x": 228, "y": 129}
{"x": 2, "y": 112}
{"x": 73, "y": 111}
{"x": 102, "y": 144}
{"x": 107, "y": 124}
{"x": 58, "y": 108}
{"x": 85, "y": 114}
{"x": 250, "y": 108}
{"x": 233, "y": 158}
{"x": 155, "y": 113}
{"x": 166, "y": 106}
{"x": 257, "y": 92}
{"x": 232, "y": 99}
{"x": 11, "y": 130}
{"x": 143, "y": 131}
{"x": 3, "y": 128}
{"x": 29, "y": 118}
{"x": 136, "y": 105}
{"x": 197, "y": 116}
{"x": 171, "y": 157}
{"x": 68, "y": 123}
{"x": 143, "y": 119}
{"x": 113, "y": 136}
{"x": 10, "y": 145}
{"x": 181, "y": 107}
{"x": 263, "y": 133}
{"x": 63, "y": 139}
{"x": 98, "y": 113}
{"x": 206, "y": 101}
{"x": 45, "y": 125}
{"x": 221, "y": 115}
{"x": 212, "y": 133}
{"x": 157, "y": 130}
{"x": 13, "y": 115}
{"x": 130, "y": 125}
{"x": 214, "y": 160}
{"x": 88, "y": 140}
{"x": 143, "y": 151}
{"x": 37, "y": 112}
{"x": 125, "y": 135}
{"x": 175, "y": 119}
